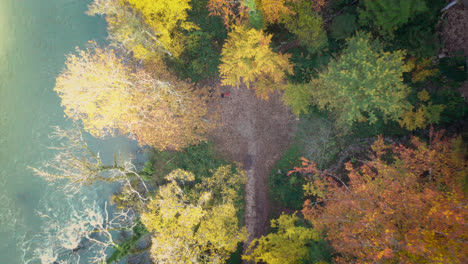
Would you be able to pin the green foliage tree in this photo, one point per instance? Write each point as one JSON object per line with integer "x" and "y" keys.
{"x": 247, "y": 58}
{"x": 389, "y": 15}
{"x": 198, "y": 225}
{"x": 287, "y": 245}
{"x": 298, "y": 97}
{"x": 307, "y": 25}
{"x": 364, "y": 84}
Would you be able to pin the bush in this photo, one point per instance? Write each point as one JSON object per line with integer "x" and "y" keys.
{"x": 201, "y": 160}
{"x": 127, "y": 246}
{"x": 315, "y": 140}
{"x": 287, "y": 190}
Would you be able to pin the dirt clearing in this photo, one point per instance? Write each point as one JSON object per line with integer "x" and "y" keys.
{"x": 254, "y": 133}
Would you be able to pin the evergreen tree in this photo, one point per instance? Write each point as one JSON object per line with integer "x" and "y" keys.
{"x": 389, "y": 15}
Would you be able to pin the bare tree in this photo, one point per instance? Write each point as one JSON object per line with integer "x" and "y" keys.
{"x": 77, "y": 165}
{"x": 91, "y": 228}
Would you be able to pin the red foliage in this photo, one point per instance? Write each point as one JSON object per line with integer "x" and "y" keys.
{"x": 412, "y": 209}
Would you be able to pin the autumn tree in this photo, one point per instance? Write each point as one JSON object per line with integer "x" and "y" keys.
{"x": 388, "y": 15}
{"x": 232, "y": 12}
{"x": 198, "y": 225}
{"x": 167, "y": 19}
{"x": 307, "y": 25}
{"x": 126, "y": 29}
{"x": 404, "y": 205}
{"x": 247, "y": 58}
{"x": 364, "y": 84}
{"x": 287, "y": 245}
{"x": 422, "y": 113}
{"x": 146, "y": 25}
{"x": 274, "y": 11}
{"x": 99, "y": 89}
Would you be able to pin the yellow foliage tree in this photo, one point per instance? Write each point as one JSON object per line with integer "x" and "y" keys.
{"x": 247, "y": 58}
{"x": 421, "y": 70}
{"x": 288, "y": 245}
{"x": 425, "y": 113}
{"x": 97, "y": 88}
{"x": 126, "y": 29}
{"x": 274, "y": 10}
{"x": 167, "y": 18}
{"x": 197, "y": 226}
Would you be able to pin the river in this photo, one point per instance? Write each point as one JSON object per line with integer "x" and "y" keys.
{"x": 35, "y": 36}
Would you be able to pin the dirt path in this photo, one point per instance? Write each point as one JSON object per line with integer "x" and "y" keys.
{"x": 253, "y": 133}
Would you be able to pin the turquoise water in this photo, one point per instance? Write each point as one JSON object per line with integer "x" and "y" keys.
{"x": 35, "y": 35}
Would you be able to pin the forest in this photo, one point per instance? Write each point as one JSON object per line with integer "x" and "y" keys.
{"x": 277, "y": 131}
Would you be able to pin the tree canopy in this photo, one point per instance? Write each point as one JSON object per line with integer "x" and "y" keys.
{"x": 247, "y": 58}
{"x": 287, "y": 245}
{"x": 364, "y": 84}
{"x": 388, "y": 15}
{"x": 404, "y": 205}
{"x": 198, "y": 226}
{"x": 99, "y": 89}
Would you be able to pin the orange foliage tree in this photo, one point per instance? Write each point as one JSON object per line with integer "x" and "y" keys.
{"x": 233, "y": 12}
{"x": 405, "y": 205}
{"x": 277, "y": 10}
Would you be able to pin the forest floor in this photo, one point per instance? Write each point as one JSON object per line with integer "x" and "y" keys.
{"x": 254, "y": 133}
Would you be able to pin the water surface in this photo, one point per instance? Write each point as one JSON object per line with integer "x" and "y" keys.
{"x": 35, "y": 35}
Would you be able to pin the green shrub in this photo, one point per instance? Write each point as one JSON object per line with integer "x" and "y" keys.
{"x": 315, "y": 140}
{"x": 127, "y": 246}
{"x": 201, "y": 160}
{"x": 287, "y": 190}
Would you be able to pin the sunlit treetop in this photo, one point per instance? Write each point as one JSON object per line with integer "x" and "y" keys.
{"x": 97, "y": 88}
{"x": 247, "y": 58}
{"x": 404, "y": 205}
